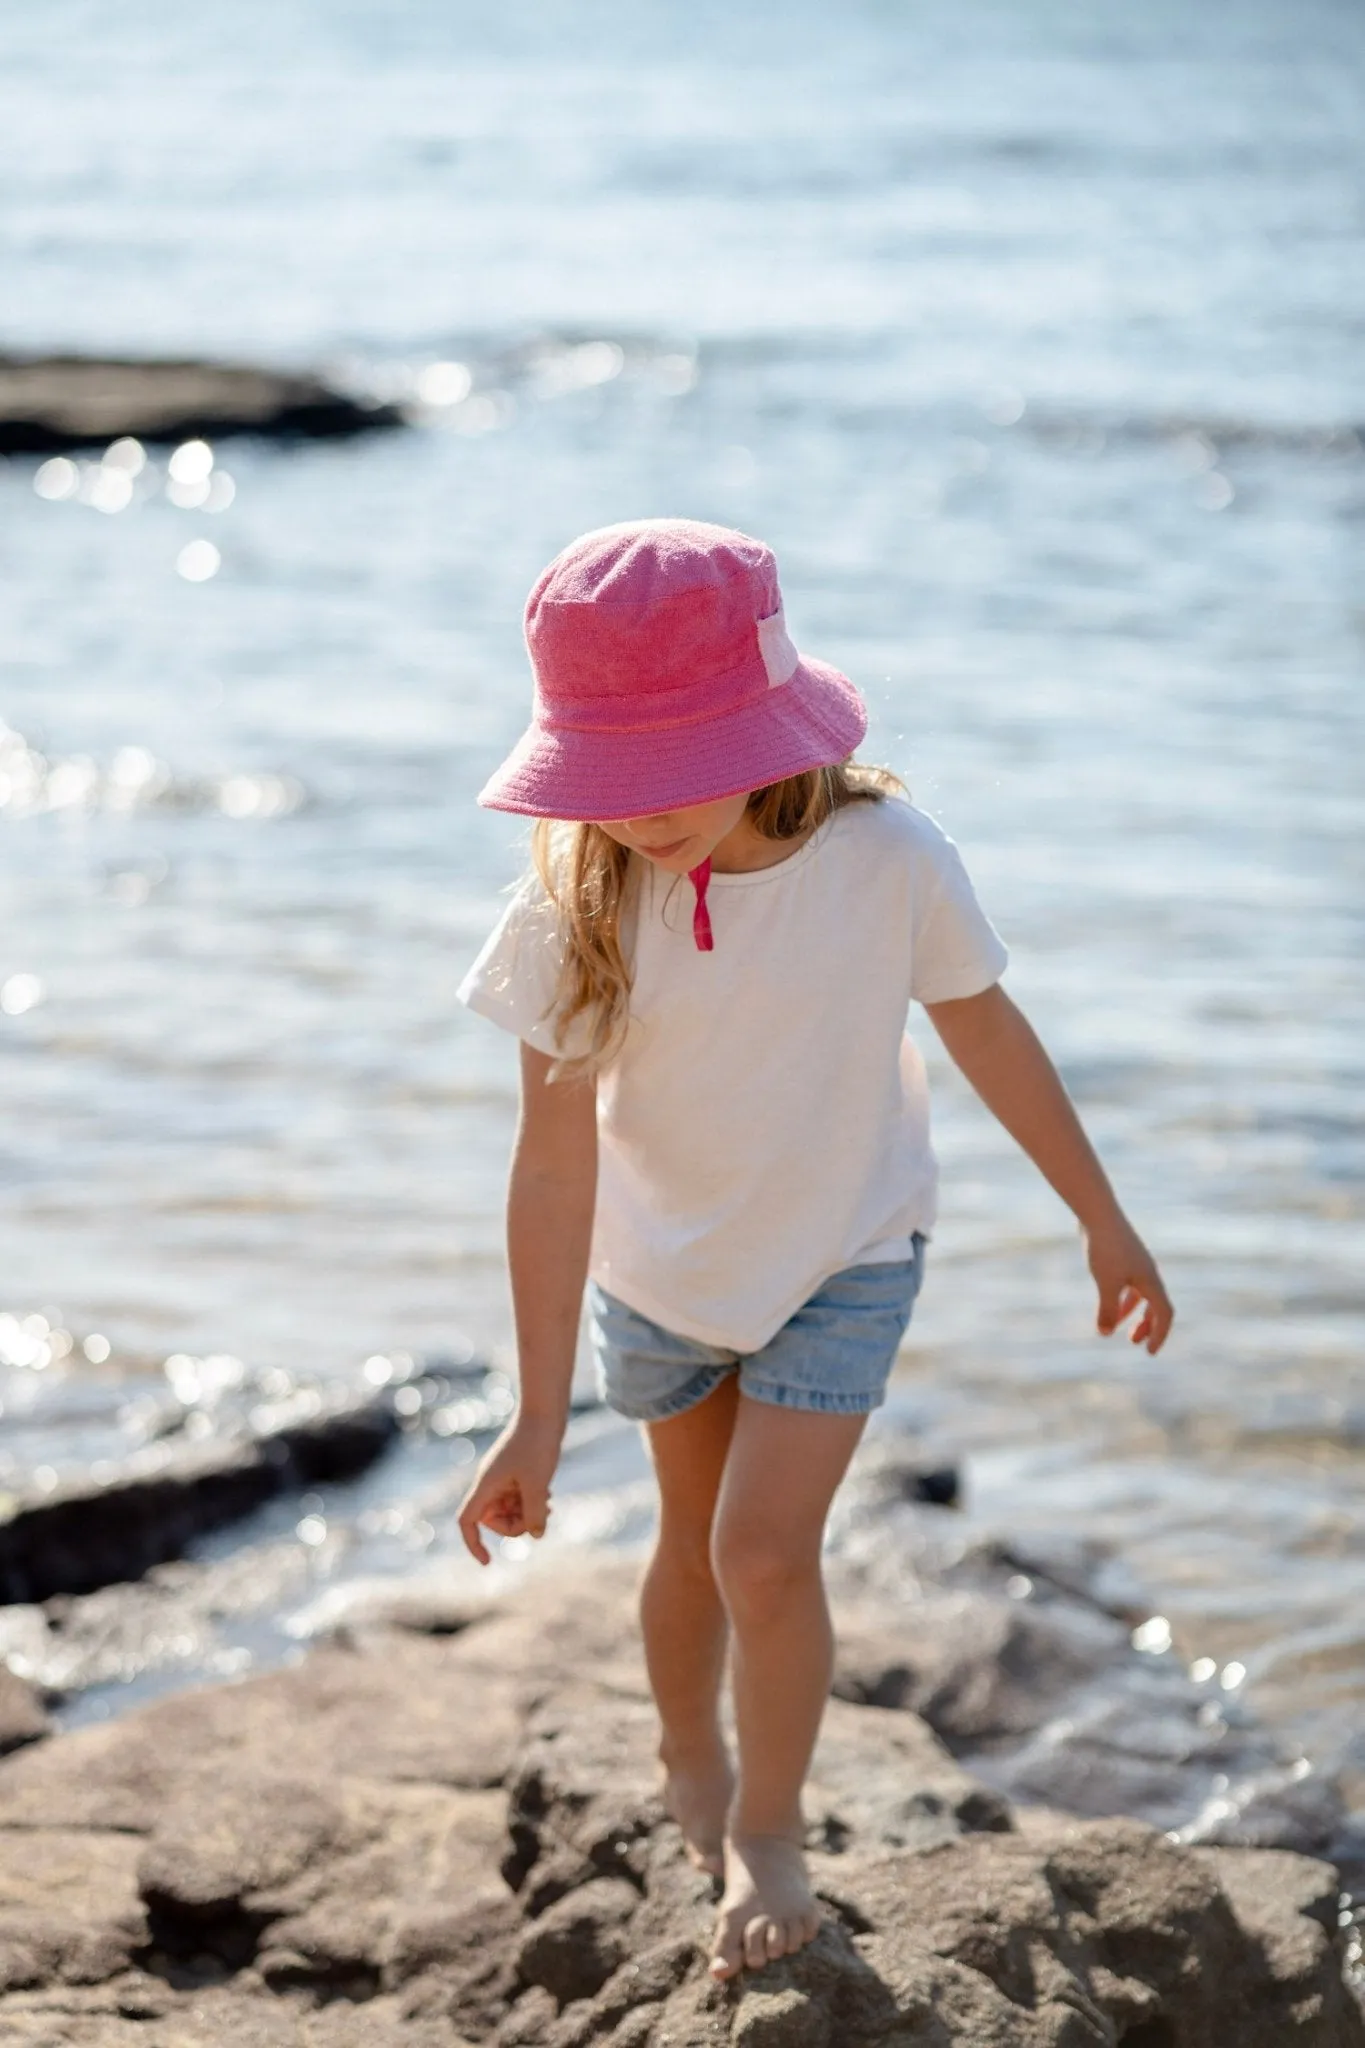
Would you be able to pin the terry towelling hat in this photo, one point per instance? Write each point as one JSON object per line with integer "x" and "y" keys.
{"x": 664, "y": 677}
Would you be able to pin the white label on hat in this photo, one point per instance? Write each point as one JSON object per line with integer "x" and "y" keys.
{"x": 780, "y": 658}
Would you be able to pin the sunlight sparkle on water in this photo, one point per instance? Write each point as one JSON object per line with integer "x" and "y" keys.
{"x": 56, "y": 479}
{"x": 191, "y": 462}
{"x": 210, "y": 493}
{"x": 188, "y": 495}
{"x": 443, "y": 384}
{"x": 27, "y": 1342}
{"x": 258, "y": 796}
{"x": 134, "y": 775}
{"x": 126, "y": 454}
{"x": 198, "y": 560}
{"x": 21, "y": 992}
{"x": 578, "y": 368}
{"x": 1154, "y": 1636}
{"x": 108, "y": 490}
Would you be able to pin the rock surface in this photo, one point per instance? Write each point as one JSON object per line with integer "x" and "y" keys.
{"x": 416, "y": 1841}
{"x": 22, "y": 1715}
{"x": 51, "y": 403}
{"x": 1022, "y": 1660}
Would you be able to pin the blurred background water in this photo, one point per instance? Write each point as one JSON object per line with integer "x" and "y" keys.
{"x": 1033, "y": 339}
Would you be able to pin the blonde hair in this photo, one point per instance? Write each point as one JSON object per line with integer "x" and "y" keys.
{"x": 590, "y": 879}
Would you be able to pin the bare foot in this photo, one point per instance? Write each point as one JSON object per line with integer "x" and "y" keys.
{"x": 697, "y": 1794}
{"x": 768, "y": 1908}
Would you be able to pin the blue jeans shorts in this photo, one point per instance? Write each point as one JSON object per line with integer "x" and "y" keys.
{"x": 833, "y": 1356}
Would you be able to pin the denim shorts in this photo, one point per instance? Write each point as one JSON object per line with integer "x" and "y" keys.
{"x": 834, "y": 1355}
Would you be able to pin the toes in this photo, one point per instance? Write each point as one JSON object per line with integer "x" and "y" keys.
{"x": 727, "y": 1957}
{"x": 805, "y": 1928}
{"x": 756, "y": 1950}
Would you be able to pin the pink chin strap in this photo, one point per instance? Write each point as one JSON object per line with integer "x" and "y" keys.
{"x": 701, "y": 916}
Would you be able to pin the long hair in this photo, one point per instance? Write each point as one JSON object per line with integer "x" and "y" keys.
{"x": 590, "y": 879}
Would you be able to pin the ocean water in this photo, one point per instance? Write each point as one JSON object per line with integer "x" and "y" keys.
{"x": 1033, "y": 339}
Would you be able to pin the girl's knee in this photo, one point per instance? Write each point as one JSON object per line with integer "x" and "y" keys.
{"x": 758, "y": 1578}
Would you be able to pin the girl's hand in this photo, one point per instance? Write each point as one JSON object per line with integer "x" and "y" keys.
{"x": 510, "y": 1492}
{"x": 1125, "y": 1274}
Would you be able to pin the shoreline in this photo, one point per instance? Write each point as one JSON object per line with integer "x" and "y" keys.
{"x": 442, "y": 1828}
{"x": 258, "y": 1512}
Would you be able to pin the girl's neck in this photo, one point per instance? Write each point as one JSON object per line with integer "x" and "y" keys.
{"x": 743, "y": 849}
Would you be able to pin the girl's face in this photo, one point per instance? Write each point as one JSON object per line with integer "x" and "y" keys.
{"x": 680, "y": 840}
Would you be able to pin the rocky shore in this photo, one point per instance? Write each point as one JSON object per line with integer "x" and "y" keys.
{"x": 441, "y": 1828}
{"x": 51, "y": 404}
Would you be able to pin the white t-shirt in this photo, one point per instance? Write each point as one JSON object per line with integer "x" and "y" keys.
{"x": 766, "y": 1121}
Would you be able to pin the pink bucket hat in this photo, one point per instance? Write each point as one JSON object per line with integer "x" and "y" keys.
{"x": 664, "y": 677}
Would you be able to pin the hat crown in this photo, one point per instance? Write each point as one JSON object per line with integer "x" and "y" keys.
{"x": 651, "y": 623}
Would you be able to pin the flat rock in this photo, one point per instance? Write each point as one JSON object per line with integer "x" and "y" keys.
{"x": 23, "y": 1717}
{"x": 578, "y": 1614}
{"x": 50, "y": 403}
{"x": 213, "y": 2019}
{"x": 414, "y": 1841}
{"x": 410, "y": 1715}
{"x": 69, "y": 1907}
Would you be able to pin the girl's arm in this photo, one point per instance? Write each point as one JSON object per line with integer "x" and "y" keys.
{"x": 995, "y": 1046}
{"x": 550, "y": 1199}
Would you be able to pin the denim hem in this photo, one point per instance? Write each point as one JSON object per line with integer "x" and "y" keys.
{"x": 811, "y": 1399}
{"x": 702, "y": 1383}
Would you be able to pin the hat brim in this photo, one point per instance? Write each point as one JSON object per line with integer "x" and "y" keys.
{"x": 811, "y": 721}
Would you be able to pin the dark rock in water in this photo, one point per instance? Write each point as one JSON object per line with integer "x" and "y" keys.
{"x": 22, "y": 1717}
{"x": 52, "y": 403}
{"x": 938, "y": 1486}
{"x": 976, "y": 1669}
{"x": 432, "y": 1842}
{"x": 1025, "y": 1665}
{"x": 78, "y": 1539}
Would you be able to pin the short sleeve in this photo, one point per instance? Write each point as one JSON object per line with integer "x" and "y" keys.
{"x": 515, "y": 978}
{"x": 957, "y": 951}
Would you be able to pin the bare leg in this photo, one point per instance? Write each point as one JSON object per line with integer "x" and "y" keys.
{"x": 780, "y": 1476}
{"x": 684, "y": 1622}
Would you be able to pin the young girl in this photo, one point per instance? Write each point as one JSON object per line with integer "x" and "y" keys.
{"x": 724, "y": 1124}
